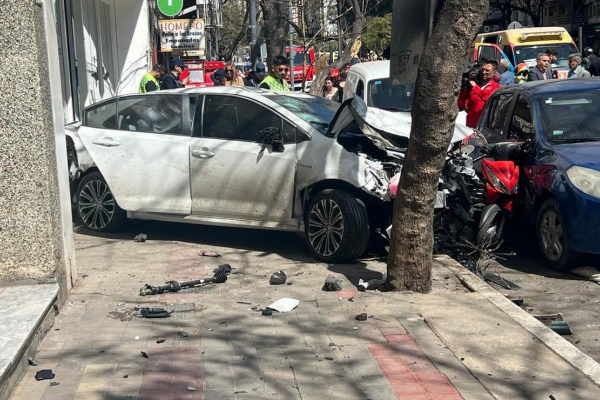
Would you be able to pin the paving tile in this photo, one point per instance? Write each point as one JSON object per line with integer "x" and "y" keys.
{"x": 438, "y": 387}
{"x": 393, "y": 330}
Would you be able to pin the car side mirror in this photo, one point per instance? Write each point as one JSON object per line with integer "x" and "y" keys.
{"x": 273, "y": 137}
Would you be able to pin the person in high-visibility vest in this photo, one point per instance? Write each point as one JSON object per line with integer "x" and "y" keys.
{"x": 276, "y": 80}
{"x": 151, "y": 80}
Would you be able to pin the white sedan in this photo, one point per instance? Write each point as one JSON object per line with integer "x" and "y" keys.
{"x": 239, "y": 157}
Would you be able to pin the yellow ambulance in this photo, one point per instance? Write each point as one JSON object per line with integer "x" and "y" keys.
{"x": 522, "y": 45}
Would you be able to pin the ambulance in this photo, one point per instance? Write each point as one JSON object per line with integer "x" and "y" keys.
{"x": 522, "y": 45}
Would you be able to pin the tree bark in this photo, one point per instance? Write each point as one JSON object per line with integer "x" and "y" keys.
{"x": 275, "y": 27}
{"x": 434, "y": 113}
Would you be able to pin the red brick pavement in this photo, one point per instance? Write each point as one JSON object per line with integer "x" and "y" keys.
{"x": 408, "y": 370}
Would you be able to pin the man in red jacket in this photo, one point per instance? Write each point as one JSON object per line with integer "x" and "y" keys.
{"x": 476, "y": 94}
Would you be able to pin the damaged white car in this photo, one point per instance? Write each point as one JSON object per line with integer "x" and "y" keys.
{"x": 238, "y": 157}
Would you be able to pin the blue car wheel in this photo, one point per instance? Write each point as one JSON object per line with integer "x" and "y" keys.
{"x": 552, "y": 238}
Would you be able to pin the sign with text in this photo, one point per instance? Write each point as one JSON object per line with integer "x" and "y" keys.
{"x": 181, "y": 35}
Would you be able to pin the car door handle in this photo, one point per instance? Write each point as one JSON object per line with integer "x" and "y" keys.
{"x": 106, "y": 142}
{"x": 204, "y": 154}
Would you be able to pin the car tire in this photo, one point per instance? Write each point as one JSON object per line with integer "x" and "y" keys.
{"x": 336, "y": 226}
{"x": 96, "y": 206}
{"x": 552, "y": 239}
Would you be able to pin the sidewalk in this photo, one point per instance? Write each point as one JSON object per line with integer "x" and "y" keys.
{"x": 316, "y": 351}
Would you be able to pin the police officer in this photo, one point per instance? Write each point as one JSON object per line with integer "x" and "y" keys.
{"x": 276, "y": 79}
{"x": 150, "y": 80}
{"x": 172, "y": 80}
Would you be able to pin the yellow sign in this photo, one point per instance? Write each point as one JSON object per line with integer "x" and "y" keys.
{"x": 181, "y": 35}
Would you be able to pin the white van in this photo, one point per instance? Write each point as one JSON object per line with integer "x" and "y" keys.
{"x": 371, "y": 82}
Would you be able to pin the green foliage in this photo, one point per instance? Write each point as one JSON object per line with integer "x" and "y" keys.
{"x": 378, "y": 34}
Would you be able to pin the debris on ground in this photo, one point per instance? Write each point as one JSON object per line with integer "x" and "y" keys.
{"x": 331, "y": 344}
{"x": 226, "y": 268}
{"x": 500, "y": 281}
{"x": 141, "y": 238}
{"x": 32, "y": 361}
{"x": 161, "y": 340}
{"x": 371, "y": 284}
{"x": 556, "y": 322}
{"x": 332, "y": 284}
{"x": 591, "y": 273}
{"x": 54, "y": 383}
{"x": 158, "y": 312}
{"x": 182, "y": 335}
{"x": 203, "y": 253}
{"x": 518, "y": 300}
{"x": 284, "y": 305}
{"x": 278, "y": 278}
{"x": 298, "y": 273}
{"x": 361, "y": 317}
{"x": 267, "y": 312}
{"x": 174, "y": 286}
{"x": 71, "y": 303}
{"x": 44, "y": 374}
{"x": 125, "y": 376}
{"x": 144, "y": 354}
{"x": 244, "y": 302}
{"x": 190, "y": 389}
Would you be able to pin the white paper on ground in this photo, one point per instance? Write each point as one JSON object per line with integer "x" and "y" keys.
{"x": 284, "y": 305}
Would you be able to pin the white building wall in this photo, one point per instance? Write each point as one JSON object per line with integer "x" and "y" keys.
{"x": 134, "y": 52}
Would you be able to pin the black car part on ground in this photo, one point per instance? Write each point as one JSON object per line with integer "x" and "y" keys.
{"x": 174, "y": 286}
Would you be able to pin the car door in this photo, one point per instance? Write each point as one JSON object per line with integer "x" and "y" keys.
{"x": 232, "y": 174}
{"x": 142, "y": 151}
{"x": 494, "y": 122}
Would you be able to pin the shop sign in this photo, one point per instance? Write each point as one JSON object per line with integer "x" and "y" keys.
{"x": 181, "y": 34}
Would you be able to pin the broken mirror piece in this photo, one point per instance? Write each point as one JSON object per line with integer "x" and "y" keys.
{"x": 284, "y": 305}
{"x": 332, "y": 284}
{"x": 278, "y": 278}
{"x": 44, "y": 374}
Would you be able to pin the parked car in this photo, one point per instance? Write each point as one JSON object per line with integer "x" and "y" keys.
{"x": 560, "y": 177}
{"x": 371, "y": 82}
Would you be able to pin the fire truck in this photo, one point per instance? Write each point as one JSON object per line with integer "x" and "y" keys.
{"x": 200, "y": 72}
{"x": 299, "y": 70}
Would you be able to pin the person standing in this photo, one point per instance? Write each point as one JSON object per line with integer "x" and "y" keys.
{"x": 575, "y": 68}
{"x": 330, "y": 92}
{"x": 507, "y": 77}
{"x": 151, "y": 80}
{"x": 476, "y": 94}
{"x": 542, "y": 71}
{"x": 233, "y": 79}
{"x": 257, "y": 76}
{"x": 219, "y": 78}
{"x": 171, "y": 80}
{"x": 593, "y": 65}
{"x": 276, "y": 80}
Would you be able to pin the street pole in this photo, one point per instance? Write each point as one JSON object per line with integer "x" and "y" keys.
{"x": 252, "y": 27}
{"x": 291, "y": 30}
{"x": 339, "y": 9}
{"x": 572, "y": 16}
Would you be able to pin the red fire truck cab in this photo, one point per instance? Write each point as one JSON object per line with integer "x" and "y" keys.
{"x": 299, "y": 70}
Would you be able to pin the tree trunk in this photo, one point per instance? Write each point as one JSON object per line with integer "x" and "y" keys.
{"x": 275, "y": 27}
{"x": 433, "y": 114}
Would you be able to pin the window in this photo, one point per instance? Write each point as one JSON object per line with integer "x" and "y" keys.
{"x": 487, "y": 53}
{"x": 360, "y": 89}
{"x": 509, "y": 53}
{"x": 521, "y": 126}
{"x": 153, "y": 113}
{"x": 499, "y": 114}
{"x": 562, "y": 10}
{"x": 102, "y": 116}
{"x": 228, "y": 117}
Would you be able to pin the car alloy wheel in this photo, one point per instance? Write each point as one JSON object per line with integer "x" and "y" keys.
{"x": 326, "y": 227}
{"x": 552, "y": 235}
{"x": 96, "y": 204}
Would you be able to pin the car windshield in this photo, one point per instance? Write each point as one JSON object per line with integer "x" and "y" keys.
{"x": 384, "y": 95}
{"x": 571, "y": 117}
{"x": 528, "y": 54}
{"x": 317, "y": 111}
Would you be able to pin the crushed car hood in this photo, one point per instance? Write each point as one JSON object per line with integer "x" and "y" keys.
{"x": 388, "y": 130}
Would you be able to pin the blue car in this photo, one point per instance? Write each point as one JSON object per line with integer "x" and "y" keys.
{"x": 560, "y": 177}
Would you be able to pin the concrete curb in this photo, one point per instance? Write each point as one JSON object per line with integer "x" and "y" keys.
{"x": 551, "y": 339}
